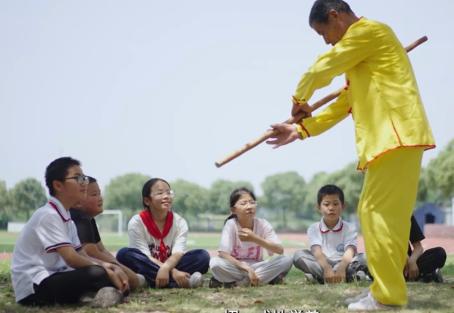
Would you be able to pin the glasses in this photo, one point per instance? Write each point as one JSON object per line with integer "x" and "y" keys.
{"x": 245, "y": 203}
{"x": 159, "y": 194}
{"x": 81, "y": 179}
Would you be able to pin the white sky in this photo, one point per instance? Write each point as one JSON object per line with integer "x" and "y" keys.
{"x": 166, "y": 88}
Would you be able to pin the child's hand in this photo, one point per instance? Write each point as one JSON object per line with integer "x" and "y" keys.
{"x": 253, "y": 277}
{"x": 246, "y": 234}
{"x": 411, "y": 270}
{"x": 339, "y": 275}
{"x": 181, "y": 278}
{"x": 117, "y": 276}
{"x": 330, "y": 276}
{"x": 162, "y": 278}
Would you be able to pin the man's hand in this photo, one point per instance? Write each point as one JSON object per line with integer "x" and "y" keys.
{"x": 301, "y": 108}
{"x": 283, "y": 134}
{"x": 181, "y": 278}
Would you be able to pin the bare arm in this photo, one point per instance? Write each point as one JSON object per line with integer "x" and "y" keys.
{"x": 346, "y": 260}
{"x": 328, "y": 272}
{"x": 411, "y": 270}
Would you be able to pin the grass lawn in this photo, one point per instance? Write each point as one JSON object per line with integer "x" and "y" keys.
{"x": 296, "y": 294}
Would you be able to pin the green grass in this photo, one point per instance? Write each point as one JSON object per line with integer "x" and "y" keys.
{"x": 295, "y": 294}
{"x": 114, "y": 242}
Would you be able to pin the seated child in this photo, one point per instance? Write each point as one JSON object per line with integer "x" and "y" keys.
{"x": 48, "y": 265}
{"x": 240, "y": 261}
{"x": 332, "y": 242}
{"x": 87, "y": 231}
{"x": 423, "y": 265}
{"x": 157, "y": 242}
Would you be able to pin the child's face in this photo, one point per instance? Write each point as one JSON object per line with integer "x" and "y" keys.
{"x": 92, "y": 204}
{"x": 245, "y": 207}
{"x": 69, "y": 189}
{"x": 331, "y": 208}
{"x": 160, "y": 198}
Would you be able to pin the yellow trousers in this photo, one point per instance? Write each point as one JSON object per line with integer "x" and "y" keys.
{"x": 384, "y": 210}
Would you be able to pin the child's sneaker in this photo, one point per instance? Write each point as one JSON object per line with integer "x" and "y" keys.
{"x": 196, "y": 280}
{"x": 368, "y": 303}
{"x": 106, "y": 297}
{"x": 438, "y": 277}
{"x": 142, "y": 280}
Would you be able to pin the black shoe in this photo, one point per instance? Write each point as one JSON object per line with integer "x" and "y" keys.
{"x": 214, "y": 283}
{"x": 278, "y": 280}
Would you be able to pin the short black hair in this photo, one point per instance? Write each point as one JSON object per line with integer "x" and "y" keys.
{"x": 321, "y": 8}
{"x": 147, "y": 188}
{"x": 91, "y": 180}
{"x": 330, "y": 190}
{"x": 57, "y": 170}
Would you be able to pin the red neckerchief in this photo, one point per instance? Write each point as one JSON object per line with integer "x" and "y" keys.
{"x": 154, "y": 231}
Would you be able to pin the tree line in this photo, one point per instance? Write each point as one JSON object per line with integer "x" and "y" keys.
{"x": 287, "y": 198}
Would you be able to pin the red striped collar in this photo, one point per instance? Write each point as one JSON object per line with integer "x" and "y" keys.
{"x": 337, "y": 228}
{"x": 62, "y": 212}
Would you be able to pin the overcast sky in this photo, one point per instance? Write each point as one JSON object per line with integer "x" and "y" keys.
{"x": 166, "y": 88}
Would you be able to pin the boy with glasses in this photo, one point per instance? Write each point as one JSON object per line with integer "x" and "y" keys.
{"x": 47, "y": 264}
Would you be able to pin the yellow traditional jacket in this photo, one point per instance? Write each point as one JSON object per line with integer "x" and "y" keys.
{"x": 381, "y": 94}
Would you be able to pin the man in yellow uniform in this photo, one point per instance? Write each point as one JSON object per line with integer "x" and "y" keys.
{"x": 391, "y": 129}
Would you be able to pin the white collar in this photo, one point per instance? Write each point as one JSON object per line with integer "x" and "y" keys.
{"x": 58, "y": 206}
{"x": 338, "y": 227}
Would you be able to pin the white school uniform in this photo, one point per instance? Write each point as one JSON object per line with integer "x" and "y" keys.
{"x": 248, "y": 252}
{"x": 34, "y": 256}
{"x": 140, "y": 238}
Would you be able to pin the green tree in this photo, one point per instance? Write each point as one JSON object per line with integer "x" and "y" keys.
{"x": 190, "y": 198}
{"x": 284, "y": 191}
{"x": 350, "y": 180}
{"x": 219, "y": 195}
{"x": 440, "y": 174}
{"x": 5, "y": 213}
{"x": 125, "y": 193}
{"x": 309, "y": 209}
{"x": 26, "y": 196}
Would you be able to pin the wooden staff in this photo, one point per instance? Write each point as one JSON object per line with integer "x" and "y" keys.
{"x": 294, "y": 119}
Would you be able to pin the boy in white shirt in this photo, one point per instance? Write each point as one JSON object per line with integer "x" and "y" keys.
{"x": 332, "y": 242}
{"x": 47, "y": 266}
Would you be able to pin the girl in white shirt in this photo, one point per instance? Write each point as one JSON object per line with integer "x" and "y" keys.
{"x": 157, "y": 242}
{"x": 240, "y": 254}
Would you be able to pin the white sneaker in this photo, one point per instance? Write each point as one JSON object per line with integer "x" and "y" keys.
{"x": 106, "y": 297}
{"x": 368, "y": 303}
{"x": 196, "y": 280}
{"x": 358, "y": 297}
{"x": 141, "y": 279}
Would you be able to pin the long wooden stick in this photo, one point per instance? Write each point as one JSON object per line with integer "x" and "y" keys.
{"x": 294, "y": 119}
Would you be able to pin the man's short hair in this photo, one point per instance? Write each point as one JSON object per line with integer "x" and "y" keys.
{"x": 57, "y": 170}
{"x": 321, "y": 8}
